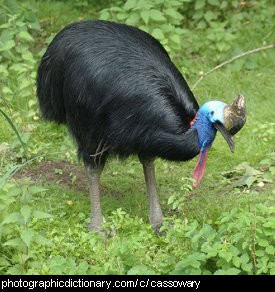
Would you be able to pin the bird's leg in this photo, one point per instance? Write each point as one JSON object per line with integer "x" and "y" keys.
{"x": 94, "y": 173}
{"x": 155, "y": 215}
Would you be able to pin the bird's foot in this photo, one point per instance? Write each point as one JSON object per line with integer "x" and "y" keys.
{"x": 156, "y": 228}
{"x": 96, "y": 224}
{"x": 96, "y": 228}
{"x": 101, "y": 231}
{"x": 156, "y": 219}
{"x": 156, "y": 223}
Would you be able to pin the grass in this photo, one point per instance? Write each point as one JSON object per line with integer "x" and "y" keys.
{"x": 123, "y": 181}
{"x": 128, "y": 178}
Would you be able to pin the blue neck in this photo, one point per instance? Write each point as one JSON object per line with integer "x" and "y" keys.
{"x": 206, "y": 131}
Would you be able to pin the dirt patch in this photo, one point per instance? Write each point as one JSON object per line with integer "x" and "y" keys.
{"x": 68, "y": 175}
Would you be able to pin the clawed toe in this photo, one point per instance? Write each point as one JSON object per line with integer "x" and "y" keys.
{"x": 97, "y": 229}
{"x": 101, "y": 231}
{"x": 156, "y": 228}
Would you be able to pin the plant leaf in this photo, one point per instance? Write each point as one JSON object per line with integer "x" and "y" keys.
{"x": 175, "y": 38}
{"x": 245, "y": 181}
{"x": 13, "y": 128}
{"x": 199, "y": 4}
{"x": 145, "y": 15}
{"x": 214, "y": 2}
{"x": 15, "y": 242}
{"x": 41, "y": 239}
{"x": 230, "y": 271}
{"x": 15, "y": 270}
{"x": 174, "y": 13}
{"x": 26, "y": 212}
{"x": 140, "y": 270}
{"x": 34, "y": 190}
{"x": 41, "y": 215}
{"x": 158, "y": 34}
{"x": 27, "y": 235}
{"x": 25, "y": 36}
{"x": 157, "y": 15}
{"x": 13, "y": 218}
{"x": 130, "y": 4}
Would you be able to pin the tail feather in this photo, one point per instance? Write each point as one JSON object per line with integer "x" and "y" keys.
{"x": 50, "y": 77}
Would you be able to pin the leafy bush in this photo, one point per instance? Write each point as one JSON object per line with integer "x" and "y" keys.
{"x": 162, "y": 19}
{"x": 17, "y": 60}
{"x": 17, "y": 232}
{"x": 241, "y": 243}
{"x": 18, "y": 21}
{"x": 177, "y": 24}
{"x": 177, "y": 200}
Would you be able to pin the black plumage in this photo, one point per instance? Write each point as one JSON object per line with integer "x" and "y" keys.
{"x": 118, "y": 92}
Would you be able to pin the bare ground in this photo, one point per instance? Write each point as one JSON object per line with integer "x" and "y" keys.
{"x": 67, "y": 175}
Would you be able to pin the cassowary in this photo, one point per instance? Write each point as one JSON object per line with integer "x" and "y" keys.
{"x": 119, "y": 93}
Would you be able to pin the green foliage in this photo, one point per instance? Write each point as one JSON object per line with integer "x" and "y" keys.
{"x": 162, "y": 19}
{"x": 173, "y": 22}
{"x": 241, "y": 243}
{"x": 16, "y": 60}
{"x": 18, "y": 235}
{"x": 269, "y": 167}
{"x": 265, "y": 132}
{"x": 13, "y": 127}
{"x": 19, "y": 55}
{"x": 250, "y": 176}
{"x": 177, "y": 200}
{"x": 247, "y": 175}
{"x": 218, "y": 228}
{"x": 17, "y": 67}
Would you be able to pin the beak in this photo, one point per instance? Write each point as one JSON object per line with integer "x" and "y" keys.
{"x": 235, "y": 115}
{"x": 227, "y": 135}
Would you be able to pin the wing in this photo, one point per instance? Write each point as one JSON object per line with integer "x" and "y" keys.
{"x": 120, "y": 84}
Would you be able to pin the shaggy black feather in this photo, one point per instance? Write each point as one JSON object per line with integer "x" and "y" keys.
{"x": 118, "y": 92}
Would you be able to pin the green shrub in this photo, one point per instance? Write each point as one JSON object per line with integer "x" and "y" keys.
{"x": 17, "y": 232}
{"x": 162, "y": 19}
{"x": 18, "y": 61}
{"x": 192, "y": 26}
{"x": 242, "y": 242}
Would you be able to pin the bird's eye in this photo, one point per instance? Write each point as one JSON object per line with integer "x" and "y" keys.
{"x": 212, "y": 113}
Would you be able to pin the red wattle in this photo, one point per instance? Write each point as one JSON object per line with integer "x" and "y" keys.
{"x": 200, "y": 167}
{"x": 193, "y": 121}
